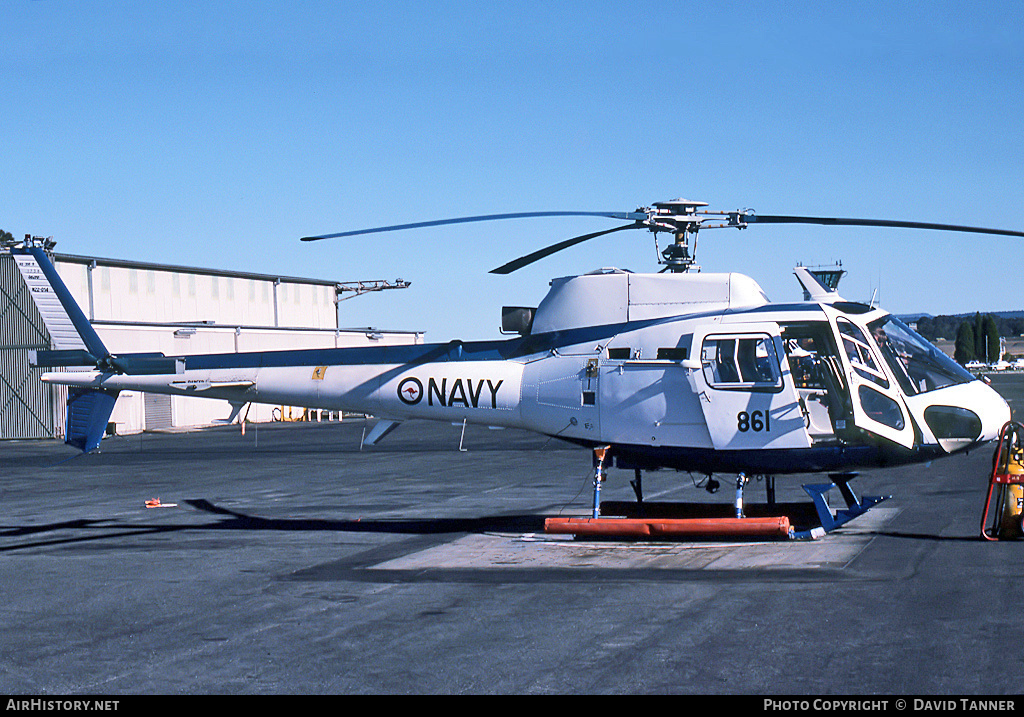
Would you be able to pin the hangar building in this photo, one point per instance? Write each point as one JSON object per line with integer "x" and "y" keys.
{"x": 141, "y": 307}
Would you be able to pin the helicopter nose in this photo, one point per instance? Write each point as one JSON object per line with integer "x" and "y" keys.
{"x": 966, "y": 415}
{"x": 993, "y": 410}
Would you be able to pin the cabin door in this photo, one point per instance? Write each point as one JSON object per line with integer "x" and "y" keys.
{"x": 745, "y": 388}
{"x": 878, "y": 407}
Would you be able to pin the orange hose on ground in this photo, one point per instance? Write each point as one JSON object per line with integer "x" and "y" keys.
{"x": 671, "y": 527}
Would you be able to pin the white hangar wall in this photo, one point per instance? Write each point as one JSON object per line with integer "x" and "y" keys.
{"x": 109, "y": 290}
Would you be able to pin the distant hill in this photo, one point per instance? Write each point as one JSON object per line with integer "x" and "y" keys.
{"x": 998, "y": 314}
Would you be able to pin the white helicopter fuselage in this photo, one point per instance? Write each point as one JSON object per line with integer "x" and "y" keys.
{"x": 689, "y": 371}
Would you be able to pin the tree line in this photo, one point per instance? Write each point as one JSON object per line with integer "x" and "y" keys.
{"x": 975, "y": 339}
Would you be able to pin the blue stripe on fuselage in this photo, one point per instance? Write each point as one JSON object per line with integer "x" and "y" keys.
{"x": 510, "y": 349}
{"x": 354, "y": 356}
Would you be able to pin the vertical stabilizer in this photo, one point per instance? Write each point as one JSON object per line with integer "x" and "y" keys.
{"x": 69, "y": 328}
{"x": 88, "y": 413}
{"x": 74, "y": 341}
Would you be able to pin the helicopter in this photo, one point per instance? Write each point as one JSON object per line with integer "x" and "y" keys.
{"x": 678, "y": 369}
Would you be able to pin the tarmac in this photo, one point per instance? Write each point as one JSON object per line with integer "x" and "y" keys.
{"x": 294, "y": 560}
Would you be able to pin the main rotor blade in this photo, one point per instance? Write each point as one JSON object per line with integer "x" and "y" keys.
{"x": 835, "y": 221}
{"x": 547, "y": 251}
{"x": 635, "y": 216}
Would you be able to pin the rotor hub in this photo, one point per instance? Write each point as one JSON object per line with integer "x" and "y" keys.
{"x": 676, "y": 215}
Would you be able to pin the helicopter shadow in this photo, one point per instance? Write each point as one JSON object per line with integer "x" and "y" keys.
{"x": 99, "y": 530}
{"x": 234, "y": 520}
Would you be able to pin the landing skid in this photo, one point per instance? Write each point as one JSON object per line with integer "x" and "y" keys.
{"x": 674, "y": 520}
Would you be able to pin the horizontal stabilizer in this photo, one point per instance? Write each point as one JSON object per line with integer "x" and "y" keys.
{"x": 88, "y": 413}
{"x": 146, "y": 364}
{"x": 66, "y": 357}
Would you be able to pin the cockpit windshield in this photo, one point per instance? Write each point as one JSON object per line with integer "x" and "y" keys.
{"x": 918, "y": 366}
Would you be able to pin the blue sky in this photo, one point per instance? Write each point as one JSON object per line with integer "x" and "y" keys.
{"x": 218, "y": 133}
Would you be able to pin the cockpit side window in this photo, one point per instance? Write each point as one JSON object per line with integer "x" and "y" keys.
{"x": 917, "y": 365}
